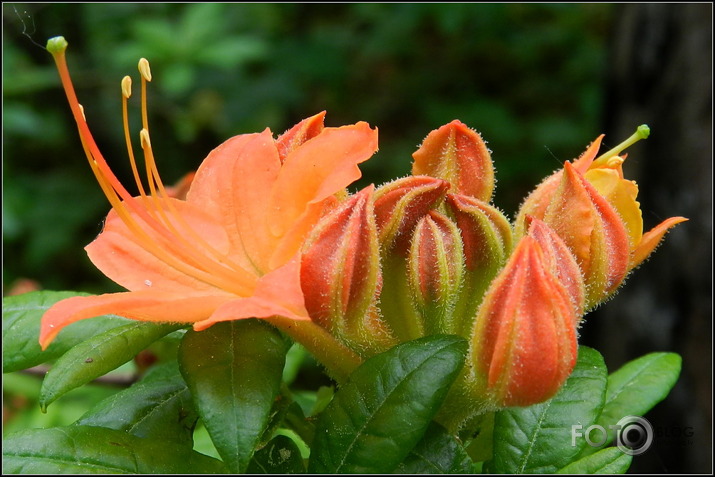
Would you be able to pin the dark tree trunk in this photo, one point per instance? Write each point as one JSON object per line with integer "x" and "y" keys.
{"x": 660, "y": 73}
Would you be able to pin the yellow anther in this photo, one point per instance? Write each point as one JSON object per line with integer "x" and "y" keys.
{"x": 127, "y": 87}
{"x": 144, "y": 69}
{"x": 144, "y": 139}
{"x": 81, "y": 108}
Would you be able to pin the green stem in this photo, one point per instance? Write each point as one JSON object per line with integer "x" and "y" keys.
{"x": 339, "y": 361}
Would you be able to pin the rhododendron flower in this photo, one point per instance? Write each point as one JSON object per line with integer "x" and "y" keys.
{"x": 231, "y": 249}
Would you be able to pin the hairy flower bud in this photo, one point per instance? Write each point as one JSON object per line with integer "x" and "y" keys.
{"x": 435, "y": 268}
{"x": 594, "y": 210}
{"x": 524, "y": 343}
{"x": 340, "y": 273}
{"x": 486, "y": 235}
{"x": 560, "y": 261}
{"x": 458, "y": 155}
{"x": 400, "y": 204}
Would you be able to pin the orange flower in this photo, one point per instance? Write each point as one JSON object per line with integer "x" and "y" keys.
{"x": 231, "y": 249}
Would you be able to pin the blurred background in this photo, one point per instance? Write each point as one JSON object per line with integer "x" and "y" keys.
{"x": 540, "y": 82}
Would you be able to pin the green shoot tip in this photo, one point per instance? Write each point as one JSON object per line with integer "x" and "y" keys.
{"x": 56, "y": 45}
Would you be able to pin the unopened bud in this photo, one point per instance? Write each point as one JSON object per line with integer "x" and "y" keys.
{"x": 486, "y": 234}
{"x": 435, "y": 269}
{"x": 400, "y": 204}
{"x": 524, "y": 344}
{"x": 340, "y": 273}
{"x": 458, "y": 155}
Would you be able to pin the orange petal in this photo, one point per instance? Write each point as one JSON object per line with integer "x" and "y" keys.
{"x": 586, "y": 159}
{"x": 651, "y": 239}
{"x": 234, "y": 184}
{"x": 298, "y": 134}
{"x": 123, "y": 256}
{"x": 277, "y": 293}
{"x": 143, "y": 306}
{"x": 317, "y": 169}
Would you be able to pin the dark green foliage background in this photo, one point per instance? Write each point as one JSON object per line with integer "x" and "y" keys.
{"x": 528, "y": 77}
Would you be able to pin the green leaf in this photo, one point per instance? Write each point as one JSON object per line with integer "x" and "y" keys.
{"x": 437, "y": 453}
{"x": 280, "y": 456}
{"x": 21, "y": 316}
{"x": 639, "y": 385}
{"x": 98, "y": 450}
{"x": 538, "y": 439}
{"x": 98, "y": 355}
{"x": 606, "y": 461}
{"x": 234, "y": 371}
{"x": 383, "y": 410}
{"x": 158, "y": 407}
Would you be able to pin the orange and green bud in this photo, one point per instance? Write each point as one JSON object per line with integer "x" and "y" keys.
{"x": 486, "y": 236}
{"x": 458, "y": 155}
{"x": 524, "y": 343}
{"x": 560, "y": 261}
{"x": 594, "y": 210}
{"x": 340, "y": 273}
{"x": 400, "y": 204}
{"x": 435, "y": 268}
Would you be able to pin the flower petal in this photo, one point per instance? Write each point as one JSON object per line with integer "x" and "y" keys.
{"x": 317, "y": 169}
{"x": 131, "y": 260}
{"x": 621, "y": 194}
{"x": 277, "y": 293}
{"x": 234, "y": 184}
{"x": 651, "y": 239}
{"x": 153, "y": 306}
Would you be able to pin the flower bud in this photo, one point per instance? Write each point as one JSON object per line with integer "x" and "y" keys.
{"x": 400, "y": 204}
{"x": 560, "y": 261}
{"x": 340, "y": 273}
{"x": 486, "y": 235}
{"x": 524, "y": 343}
{"x": 594, "y": 210}
{"x": 458, "y": 155}
{"x": 435, "y": 267}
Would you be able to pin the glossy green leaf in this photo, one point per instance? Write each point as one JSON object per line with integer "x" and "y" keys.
{"x": 98, "y": 450}
{"x": 437, "y": 453}
{"x": 383, "y": 410}
{"x": 159, "y": 407}
{"x": 21, "y": 316}
{"x": 280, "y": 456}
{"x": 606, "y": 461}
{"x": 636, "y": 387}
{"x": 234, "y": 371}
{"x": 98, "y": 355}
{"x": 538, "y": 439}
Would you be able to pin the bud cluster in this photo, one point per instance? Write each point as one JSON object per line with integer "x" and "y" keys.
{"x": 429, "y": 254}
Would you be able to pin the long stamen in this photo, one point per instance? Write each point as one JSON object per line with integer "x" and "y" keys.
{"x": 642, "y": 132}
{"x": 126, "y": 94}
{"x": 155, "y": 181}
{"x": 122, "y": 201}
